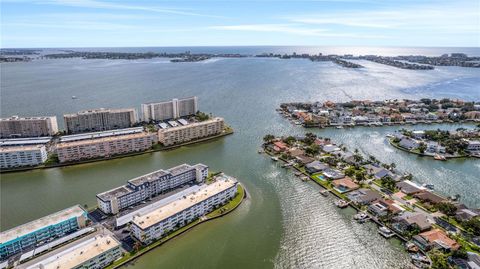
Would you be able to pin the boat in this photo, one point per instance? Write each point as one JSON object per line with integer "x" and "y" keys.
{"x": 361, "y": 217}
{"x": 439, "y": 157}
{"x": 304, "y": 178}
{"x": 411, "y": 247}
{"x": 324, "y": 192}
{"x": 339, "y": 127}
{"x": 74, "y": 97}
{"x": 297, "y": 173}
{"x": 385, "y": 232}
{"x": 341, "y": 203}
{"x": 428, "y": 186}
{"x": 274, "y": 159}
{"x": 260, "y": 151}
{"x": 419, "y": 258}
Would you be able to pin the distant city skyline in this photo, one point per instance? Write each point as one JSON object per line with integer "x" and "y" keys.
{"x": 102, "y": 23}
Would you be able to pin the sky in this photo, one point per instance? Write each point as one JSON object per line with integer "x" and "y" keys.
{"x": 141, "y": 23}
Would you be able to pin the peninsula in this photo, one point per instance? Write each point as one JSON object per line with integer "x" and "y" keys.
{"x": 434, "y": 228}
{"x": 440, "y": 144}
{"x": 379, "y": 113}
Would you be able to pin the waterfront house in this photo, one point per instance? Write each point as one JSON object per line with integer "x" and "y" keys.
{"x": 435, "y": 147}
{"x": 473, "y": 145}
{"x": 333, "y": 173}
{"x": 363, "y": 196}
{"x": 303, "y": 159}
{"x": 429, "y": 197}
{"x": 373, "y": 169}
{"x": 382, "y": 207}
{"x": 315, "y": 167}
{"x": 466, "y": 214}
{"x": 409, "y": 187}
{"x": 435, "y": 239}
{"x": 418, "y": 134}
{"x": 345, "y": 184}
{"x": 409, "y": 144}
{"x": 295, "y": 152}
{"x": 409, "y": 220}
{"x": 280, "y": 146}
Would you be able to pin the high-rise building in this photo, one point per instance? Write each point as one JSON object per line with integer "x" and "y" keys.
{"x": 99, "y": 120}
{"x": 141, "y": 188}
{"x": 41, "y": 231}
{"x": 170, "y": 109}
{"x": 28, "y": 126}
{"x": 191, "y": 131}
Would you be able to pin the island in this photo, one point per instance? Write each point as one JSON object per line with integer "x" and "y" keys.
{"x": 379, "y": 113}
{"x": 439, "y": 144}
{"x": 127, "y": 222}
{"x": 434, "y": 228}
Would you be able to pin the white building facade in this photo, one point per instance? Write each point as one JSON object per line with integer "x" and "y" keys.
{"x": 147, "y": 186}
{"x": 18, "y": 156}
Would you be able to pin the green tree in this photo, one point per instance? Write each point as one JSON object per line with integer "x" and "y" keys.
{"x": 268, "y": 138}
{"x": 360, "y": 175}
{"x": 439, "y": 259}
{"x": 447, "y": 208}
{"x": 290, "y": 140}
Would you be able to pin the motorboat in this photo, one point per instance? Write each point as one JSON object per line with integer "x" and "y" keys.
{"x": 385, "y": 232}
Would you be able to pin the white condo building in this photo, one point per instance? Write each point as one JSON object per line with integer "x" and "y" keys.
{"x": 155, "y": 224}
{"x": 96, "y": 251}
{"x": 17, "y": 156}
{"x": 192, "y": 131}
{"x": 16, "y": 126}
{"x": 99, "y": 120}
{"x": 147, "y": 186}
{"x": 173, "y": 109}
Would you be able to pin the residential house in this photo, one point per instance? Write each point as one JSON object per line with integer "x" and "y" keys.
{"x": 435, "y": 239}
{"x": 409, "y": 220}
{"x": 315, "y": 167}
{"x": 345, "y": 184}
{"x": 333, "y": 173}
{"x": 364, "y": 196}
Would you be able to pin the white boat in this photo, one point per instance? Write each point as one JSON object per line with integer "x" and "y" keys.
{"x": 385, "y": 232}
{"x": 274, "y": 159}
{"x": 361, "y": 217}
{"x": 428, "y": 186}
{"x": 324, "y": 192}
{"x": 341, "y": 203}
{"x": 339, "y": 127}
{"x": 74, "y": 97}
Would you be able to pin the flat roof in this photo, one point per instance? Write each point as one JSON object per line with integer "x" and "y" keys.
{"x": 191, "y": 125}
{"x": 117, "y": 192}
{"x": 21, "y": 148}
{"x": 122, "y": 220}
{"x": 183, "y": 121}
{"x": 25, "y": 141}
{"x": 101, "y": 139}
{"x": 172, "y": 208}
{"x": 75, "y": 253}
{"x": 77, "y": 137}
{"x": 27, "y": 228}
{"x": 14, "y": 118}
{"x": 99, "y": 110}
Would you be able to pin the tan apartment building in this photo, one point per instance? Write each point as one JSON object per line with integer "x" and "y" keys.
{"x": 16, "y": 126}
{"x": 104, "y": 147}
{"x": 180, "y": 134}
{"x": 99, "y": 120}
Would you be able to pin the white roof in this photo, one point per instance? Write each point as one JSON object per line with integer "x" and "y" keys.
{"x": 162, "y": 213}
{"x": 77, "y": 137}
{"x": 27, "y": 228}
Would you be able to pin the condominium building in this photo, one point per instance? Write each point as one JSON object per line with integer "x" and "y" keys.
{"x": 41, "y": 231}
{"x": 103, "y": 147}
{"x": 17, "y": 156}
{"x": 173, "y": 109}
{"x": 155, "y": 224}
{"x": 99, "y": 120}
{"x": 16, "y": 126}
{"x": 192, "y": 131}
{"x": 94, "y": 251}
{"x": 147, "y": 186}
